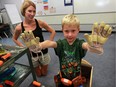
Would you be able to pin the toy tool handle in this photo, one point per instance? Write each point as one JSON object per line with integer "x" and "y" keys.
{"x": 66, "y": 82}
{"x": 9, "y": 83}
{"x": 1, "y": 85}
{"x": 1, "y": 62}
{"x": 5, "y": 57}
{"x": 35, "y": 83}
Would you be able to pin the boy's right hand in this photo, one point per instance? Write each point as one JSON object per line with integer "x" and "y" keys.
{"x": 98, "y": 37}
{"x": 30, "y": 41}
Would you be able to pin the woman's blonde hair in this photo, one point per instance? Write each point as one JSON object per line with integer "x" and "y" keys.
{"x": 70, "y": 19}
{"x": 25, "y": 5}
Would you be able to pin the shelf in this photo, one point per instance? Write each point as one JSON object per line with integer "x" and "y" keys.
{"x": 18, "y": 52}
{"x": 22, "y": 71}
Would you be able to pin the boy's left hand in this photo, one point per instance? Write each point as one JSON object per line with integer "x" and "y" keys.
{"x": 98, "y": 37}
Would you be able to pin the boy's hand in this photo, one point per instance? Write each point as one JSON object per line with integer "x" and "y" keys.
{"x": 30, "y": 41}
{"x": 98, "y": 37}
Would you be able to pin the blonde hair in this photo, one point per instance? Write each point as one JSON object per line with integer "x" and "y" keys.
{"x": 25, "y": 5}
{"x": 70, "y": 19}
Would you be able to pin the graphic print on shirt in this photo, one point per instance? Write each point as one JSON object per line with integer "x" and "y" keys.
{"x": 70, "y": 65}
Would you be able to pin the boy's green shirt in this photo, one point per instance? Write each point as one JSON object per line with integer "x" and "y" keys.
{"x": 70, "y": 57}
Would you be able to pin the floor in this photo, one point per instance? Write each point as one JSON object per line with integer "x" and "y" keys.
{"x": 103, "y": 65}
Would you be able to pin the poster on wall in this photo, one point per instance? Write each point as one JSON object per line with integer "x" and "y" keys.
{"x": 52, "y": 7}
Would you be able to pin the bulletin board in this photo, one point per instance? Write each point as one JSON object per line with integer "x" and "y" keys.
{"x": 53, "y": 7}
{"x": 13, "y": 13}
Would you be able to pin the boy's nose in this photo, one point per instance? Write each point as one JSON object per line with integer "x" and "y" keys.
{"x": 70, "y": 34}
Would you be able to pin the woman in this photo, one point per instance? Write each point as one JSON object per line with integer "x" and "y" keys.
{"x": 28, "y": 10}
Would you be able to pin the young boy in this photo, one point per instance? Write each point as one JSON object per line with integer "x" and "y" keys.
{"x": 70, "y": 52}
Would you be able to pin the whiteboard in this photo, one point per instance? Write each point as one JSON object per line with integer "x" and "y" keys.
{"x": 13, "y": 13}
{"x": 52, "y": 7}
{"x": 93, "y": 6}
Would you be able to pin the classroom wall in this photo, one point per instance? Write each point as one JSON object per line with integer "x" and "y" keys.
{"x": 86, "y": 19}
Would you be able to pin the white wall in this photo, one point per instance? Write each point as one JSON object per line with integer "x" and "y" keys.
{"x": 84, "y": 18}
